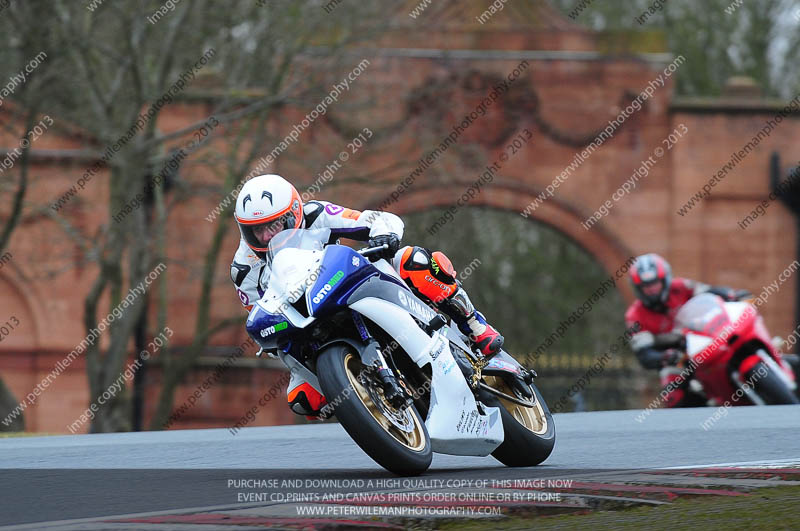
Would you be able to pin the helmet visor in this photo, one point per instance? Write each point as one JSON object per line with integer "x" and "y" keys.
{"x": 653, "y": 289}
{"x": 653, "y": 292}
{"x": 258, "y": 235}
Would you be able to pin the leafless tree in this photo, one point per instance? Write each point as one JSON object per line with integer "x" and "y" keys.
{"x": 113, "y": 64}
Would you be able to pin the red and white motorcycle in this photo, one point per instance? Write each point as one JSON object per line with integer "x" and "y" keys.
{"x": 732, "y": 354}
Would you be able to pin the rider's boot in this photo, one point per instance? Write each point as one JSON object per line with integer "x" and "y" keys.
{"x": 304, "y": 394}
{"x": 483, "y": 335}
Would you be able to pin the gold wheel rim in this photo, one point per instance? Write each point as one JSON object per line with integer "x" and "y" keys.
{"x": 532, "y": 418}
{"x": 413, "y": 439}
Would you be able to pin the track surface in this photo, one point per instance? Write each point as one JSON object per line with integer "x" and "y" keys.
{"x": 584, "y": 441}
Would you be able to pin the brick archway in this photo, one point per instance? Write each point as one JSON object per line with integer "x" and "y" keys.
{"x": 20, "y": 355}
{"x": 605, "y": 247}
{"x": 21, "y": 304}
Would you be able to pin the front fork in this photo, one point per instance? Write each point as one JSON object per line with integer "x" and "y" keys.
{"x": 372, "y": 357}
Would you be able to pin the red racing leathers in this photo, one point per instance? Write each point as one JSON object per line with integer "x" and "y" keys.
{"x": 661, "y": 320}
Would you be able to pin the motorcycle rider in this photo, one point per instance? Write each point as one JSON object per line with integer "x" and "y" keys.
{"x": 659, "y": 297}
{"x": 269, "y": 204}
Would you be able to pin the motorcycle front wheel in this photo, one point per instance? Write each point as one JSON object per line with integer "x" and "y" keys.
{"x": 770, "y": 387}
{"x": 395, "y": 439}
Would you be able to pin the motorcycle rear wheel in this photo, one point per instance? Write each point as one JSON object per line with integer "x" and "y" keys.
{"x": 396, "y": 440}
{"x": 530, "y": 433}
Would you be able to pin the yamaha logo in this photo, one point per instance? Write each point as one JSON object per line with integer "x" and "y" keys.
{"x": 415, "y": 306}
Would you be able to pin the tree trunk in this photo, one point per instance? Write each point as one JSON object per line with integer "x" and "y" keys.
{"x": 174, "y": 370}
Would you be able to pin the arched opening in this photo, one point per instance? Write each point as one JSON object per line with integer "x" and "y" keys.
{"x": 19, "y": 342}
{"x": 531, "y": 278}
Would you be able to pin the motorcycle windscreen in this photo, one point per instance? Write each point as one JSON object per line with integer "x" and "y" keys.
{"x": 304, "y": 239}
{"x": 294, "y": 256}
{"x": 704, "y": 314}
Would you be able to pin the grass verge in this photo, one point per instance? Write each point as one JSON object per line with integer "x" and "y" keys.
{"x": 765, "y": 508}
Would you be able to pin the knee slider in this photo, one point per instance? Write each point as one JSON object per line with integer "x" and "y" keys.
{"x": 421, "y": 259}
{"x": 443, "y": 267}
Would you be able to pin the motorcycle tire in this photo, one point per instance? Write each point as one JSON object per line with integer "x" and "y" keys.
{"x": 770, "y": 387}
{"x": 396, "y": 440}
{"x": 530, "y": 433}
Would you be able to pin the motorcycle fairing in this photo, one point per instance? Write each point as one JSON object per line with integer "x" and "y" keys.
{"x": 503, "y": 363}
{"x": 716, "y": 330}
{"x": 380, "y": 286}
{"x": 696, "y": 343}
{"x": 267, "y": 328}
{"x": 272, "y": 317}
{"x": 454, "y": 423}
{"x": 344, "y": 271}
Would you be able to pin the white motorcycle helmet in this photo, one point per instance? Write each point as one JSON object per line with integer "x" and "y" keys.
{"x": 267, "y": 205}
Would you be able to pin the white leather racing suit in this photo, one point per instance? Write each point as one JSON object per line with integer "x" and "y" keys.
{"x": 250, "y": 274}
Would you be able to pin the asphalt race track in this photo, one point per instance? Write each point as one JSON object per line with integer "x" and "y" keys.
{"x": 166, "y": 471}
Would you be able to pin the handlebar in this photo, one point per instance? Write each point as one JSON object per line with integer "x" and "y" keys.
{"x": 369, "y": 251}
{"x": 744, "y": 295}
{"x": 669, "y": 340}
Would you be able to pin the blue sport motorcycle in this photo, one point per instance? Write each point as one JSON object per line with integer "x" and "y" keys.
{"x": 402, "y": 382}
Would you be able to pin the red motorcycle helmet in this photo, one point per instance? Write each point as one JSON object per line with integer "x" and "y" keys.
{"x": 651, "y": 277}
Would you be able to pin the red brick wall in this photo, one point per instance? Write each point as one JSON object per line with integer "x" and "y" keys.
{"x": 563, "y": 98}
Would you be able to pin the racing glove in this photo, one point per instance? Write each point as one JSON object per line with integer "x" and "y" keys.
{"x": 671, "y": 357}
{"x": 391, "y": 240}
{"x": 656, "y": 351}
{"x": 743, "y": 294}
{"x": 669, "y": 340}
